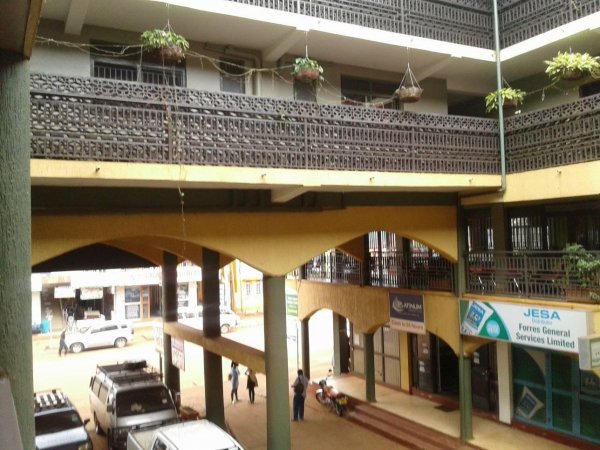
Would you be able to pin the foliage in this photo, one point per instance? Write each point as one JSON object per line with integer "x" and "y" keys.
{"x": 586, "y": 267}
{"x": 564, "y": 63}
{"x": 157, "y": 39}
{"x": 508, "y": 94}
{"x": 306, "y": 63}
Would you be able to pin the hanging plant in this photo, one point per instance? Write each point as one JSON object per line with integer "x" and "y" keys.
{"x": 572, "y": 66}
{"x": 510, "y": 98}
{"x": 409, "y": 93}
{"x": 307, "y": 70}
{"x": 170, "y": 46}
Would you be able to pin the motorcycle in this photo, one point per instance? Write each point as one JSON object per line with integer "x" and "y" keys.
{"x": 329, "y": 396}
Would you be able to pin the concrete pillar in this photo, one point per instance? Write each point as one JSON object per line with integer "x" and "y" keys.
{"x": 15, "y": 239}
{"x": 213, "y": 363}
{"x": 504, "y": 364}
{"x": 341, "y": 345}
{"x": 276, "y": 363}
{"x": 305, "y": 348}
{"x": 465, "y": 397}
{"x": 369, "y": 367}
{"x": 169, "y": 308}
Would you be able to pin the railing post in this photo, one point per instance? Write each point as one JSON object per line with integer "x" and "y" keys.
{"x": 526, "y": 289}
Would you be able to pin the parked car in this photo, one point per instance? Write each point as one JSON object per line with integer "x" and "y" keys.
{"x": 101, "y": 333}
{"x": 127, "y": 396}
{"x": 192, "y": 435}
{"x": 192, "y": 316}
{"x": 58, "y": 425}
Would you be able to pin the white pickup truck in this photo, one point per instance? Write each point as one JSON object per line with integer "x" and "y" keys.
{"x": 182, "y": 436}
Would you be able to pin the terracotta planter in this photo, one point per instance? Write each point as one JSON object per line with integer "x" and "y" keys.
{"x": 308, "y": 75}
{"x": 171, "y": 53}
{"x": 571, "y": 75}
{"x": 409, "y": 94}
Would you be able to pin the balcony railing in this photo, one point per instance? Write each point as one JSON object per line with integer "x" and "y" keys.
{"x": 81, "y": 118}
{"x": 529, "y": 274}
{"x": 391, "y": 270}
{"x": 466, "y": 22}
{"x": 564, "y": 134}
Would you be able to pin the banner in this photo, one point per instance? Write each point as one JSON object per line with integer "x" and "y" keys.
{"x": 535, "y": 326}
{"x": 178, "y": 353}
{"x": 407, "y": 313}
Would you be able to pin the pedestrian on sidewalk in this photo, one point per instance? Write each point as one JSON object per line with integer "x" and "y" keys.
{"x": 251, "y": 383}
{"x": 300, "y": 386}
{"x": 62, "y": 344}
{"x": 234, "y": 377}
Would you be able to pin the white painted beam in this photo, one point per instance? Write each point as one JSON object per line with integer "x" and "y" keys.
{"x": 282, "y": 46}
{"x": 76, "y": 16}
{"x": 283, "y": 195}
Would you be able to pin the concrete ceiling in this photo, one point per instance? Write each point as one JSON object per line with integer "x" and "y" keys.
{"x": 18, "y": 25}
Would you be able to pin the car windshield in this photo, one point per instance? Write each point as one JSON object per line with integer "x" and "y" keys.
{"x": 51, "y": 423}
{"x": 142, "y": 401}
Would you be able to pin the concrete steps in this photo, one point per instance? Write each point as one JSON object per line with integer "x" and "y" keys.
{"x": 403, "y": 431}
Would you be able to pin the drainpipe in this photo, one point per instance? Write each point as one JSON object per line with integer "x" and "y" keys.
{"x": 498, "y": 87}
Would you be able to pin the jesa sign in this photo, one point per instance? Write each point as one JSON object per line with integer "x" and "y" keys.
{"x": 550, "y": 328}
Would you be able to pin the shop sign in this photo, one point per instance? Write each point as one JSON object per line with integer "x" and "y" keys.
{"x": 291, "y": 303}
{"x": 64, "y": 292}
{"x": 177, "y": 353}
{"x": 91, "y": 293}
{"x": 158, "y": 338}
{"x": 407, "y": 313}
{"x": 589, "y": 352}
{"x": 535, "y": 326}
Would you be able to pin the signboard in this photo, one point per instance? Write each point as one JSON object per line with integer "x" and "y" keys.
{"x": 91, "y": 293}
{"x": 177, "y": 353}
{"x": 291, "y": 302}
{"x": 589, "y": 352}
{"x": 64, "y": 292}
{"x": 158, "y": 338}
{"x": 407, "y": 313}
{"x": 545, "y": 327}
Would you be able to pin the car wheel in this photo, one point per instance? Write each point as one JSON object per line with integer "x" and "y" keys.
{"x": 224, "y": 328}
{"x": 120, "y": 342}
{"x": 99, "y": 431}
{"x": 77, "y": 347}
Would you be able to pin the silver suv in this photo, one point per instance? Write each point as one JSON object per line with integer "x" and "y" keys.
{"x": 127, "y": 396}
{"x": 101, "y": 333}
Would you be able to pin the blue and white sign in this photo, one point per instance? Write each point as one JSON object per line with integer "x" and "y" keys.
{"x": 533, "y": 325}
{"x": 407, "y": 313}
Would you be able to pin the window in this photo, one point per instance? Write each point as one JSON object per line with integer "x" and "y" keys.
{"x": 377, "y": 94}
{"x": 145, "y": 69}
{"x": 305, "y": 91}
{"x": 103, "y": 394}
{"x": 232, "y": 76}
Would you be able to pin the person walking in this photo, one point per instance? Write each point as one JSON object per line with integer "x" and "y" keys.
{"x": 251, "y": 383}
{"x": 234, "y": 377}
{"x": 300, "y": 386}
{"x": 62, "y": 344}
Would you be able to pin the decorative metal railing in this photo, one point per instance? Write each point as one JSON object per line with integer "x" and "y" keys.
{"x": 392, "y": 269}
{"x": 560, "y": 135}
{"x": 83, "y": 118}
{"x": 535, "y": 274}
{"x": 466, "y": 22}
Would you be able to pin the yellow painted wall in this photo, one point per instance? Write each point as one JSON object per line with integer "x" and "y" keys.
{"x": 275, "y": 243}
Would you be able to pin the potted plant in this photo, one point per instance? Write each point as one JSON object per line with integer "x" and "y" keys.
{"x": 582, "y": 270}
{"x": 307, "y": 70}
{"x": 170, "y": 46}
{"x": 572, "y": 66}
{"x": 510, "y": 98}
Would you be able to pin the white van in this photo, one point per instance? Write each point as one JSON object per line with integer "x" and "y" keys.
{"x": 101, "y": 333}
{"x": 192, "y": 316}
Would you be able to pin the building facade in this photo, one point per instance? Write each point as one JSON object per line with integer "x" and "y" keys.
{"x": 469, "y": 217}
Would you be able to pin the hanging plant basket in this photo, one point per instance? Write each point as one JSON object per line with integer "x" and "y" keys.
{"x": 307, "y": 70}
{"x": 572, "y": 66}
{"x": 409, "y": 93}
{"x": 171, "y": 53}
{"x": 571, "y": 75}
{"x": 165, "y": 44}
{"x": 308, "y": 75}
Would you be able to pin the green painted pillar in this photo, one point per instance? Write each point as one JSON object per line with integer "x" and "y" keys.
{"x": 369, "y": 367}
{"x": 341, "y": 345}
{"x": 465, "y": 397}
{"x": 305, "y": 348}
{"x": 213, "y": 363}
{"x": 276, "y": 363}
{"x": 169, "y": 308}
{"x": 15, "y": 238}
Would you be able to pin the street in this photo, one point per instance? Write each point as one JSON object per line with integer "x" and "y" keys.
{"x": 72, "y": 374}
